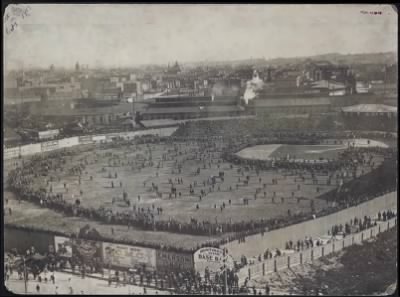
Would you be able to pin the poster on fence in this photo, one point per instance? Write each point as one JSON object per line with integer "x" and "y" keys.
{"x": 63, "y": 246}
{"x": 122, "y": 255}
{"x": 99, "y": 138}
{"x": 49, "y": 145}
{"x": 86, "y": 250}
{"x": 212, "y": 259}
{"x": 166, "y": 260}
{"x": 87, "y": 139}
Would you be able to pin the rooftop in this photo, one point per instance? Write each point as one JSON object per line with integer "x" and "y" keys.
{"x": 192, "y": 109}
{"x": 292, "y": 102}
{"x": 377, "y": 108}
{"x": 66, "y": 110}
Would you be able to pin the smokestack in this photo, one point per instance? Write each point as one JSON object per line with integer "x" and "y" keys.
{"x": 252, "y": 87}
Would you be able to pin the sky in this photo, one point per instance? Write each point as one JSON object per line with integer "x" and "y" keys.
{"x": 128, "y": 35}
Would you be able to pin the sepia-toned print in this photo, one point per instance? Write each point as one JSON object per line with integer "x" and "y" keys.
{"x": 200, "y": 149}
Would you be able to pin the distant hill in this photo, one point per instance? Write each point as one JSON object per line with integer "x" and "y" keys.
{"x": 349, "y": 59}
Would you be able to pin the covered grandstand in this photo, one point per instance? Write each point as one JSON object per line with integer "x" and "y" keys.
{"x": 370, "y": 117}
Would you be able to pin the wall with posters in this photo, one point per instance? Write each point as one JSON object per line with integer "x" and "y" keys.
{"x": 166, "y": 260}
{"x": 49, "y": 145}
{"x": 22, "y": 240}
{"x": 117, "y": 255}
{"x": 36, "y": 148}
{"x": 121, "y": 255}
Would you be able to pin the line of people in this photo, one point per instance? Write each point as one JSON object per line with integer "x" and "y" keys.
{"x": 21, "y": 179}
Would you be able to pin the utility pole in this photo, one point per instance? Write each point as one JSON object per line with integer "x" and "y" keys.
{"x": 25, "y": 277}
{"x": 225, "y": 257}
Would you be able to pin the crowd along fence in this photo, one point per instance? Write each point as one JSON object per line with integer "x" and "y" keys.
{"x": 309, "y": 255}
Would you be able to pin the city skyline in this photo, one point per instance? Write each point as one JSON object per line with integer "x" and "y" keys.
{"x": 125, "y": 36}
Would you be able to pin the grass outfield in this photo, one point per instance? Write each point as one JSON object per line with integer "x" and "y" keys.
{"x": 30, "y": 215}
{"x": 98, "y": 191}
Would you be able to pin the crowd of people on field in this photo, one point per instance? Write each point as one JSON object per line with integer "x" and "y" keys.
{"x": 22, "y": 179}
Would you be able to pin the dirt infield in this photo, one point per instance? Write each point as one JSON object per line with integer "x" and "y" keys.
{"x": 328, "y": 150}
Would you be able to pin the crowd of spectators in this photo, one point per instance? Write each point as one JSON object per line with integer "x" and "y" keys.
{"x": 21, "y": 179}
{"x": 176, "y": 281}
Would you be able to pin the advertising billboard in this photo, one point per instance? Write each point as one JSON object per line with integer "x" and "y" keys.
{"x": 211, "y": 258}
{"x": 48, "y": 134}
{"x": 87, "y": 139}
{"x": 49, "y": 145}
{"x": 86, "y": 250}
{"x": 166, "y": 260}
{"x": 127, "y": 256}
{"x": 99, "y": 138}
{"x": 63, "y": 246}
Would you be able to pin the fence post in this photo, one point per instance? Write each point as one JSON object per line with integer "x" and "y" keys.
{"x": 275, "y": 269}
{"x": 322, "y": 251}
{"x": 352, "y": 240}
{"x": 312, "y": 255}
{"x": 379, "y": 228}
{"x": 263, "y": 268}
{"x": 249, "y": 274}
{"x": 301, "y": 258}
{"x": 387, "y": 226}
{"x": 371, "y": 232}
{"x": 288, "y": 261}
{"x": 333, "y": 247}
{"x": 362, "y": 236}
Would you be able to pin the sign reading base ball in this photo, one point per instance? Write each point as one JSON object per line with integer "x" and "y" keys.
{"x": 212, "y": 259}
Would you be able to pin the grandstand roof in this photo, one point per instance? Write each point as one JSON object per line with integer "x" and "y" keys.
{"x": 66, "y": 110}
{"x": 162, "y": 122}
{"x": 192, "y": 109}
{"x": 292, "y": 102}
{"x": 377, "y": 108}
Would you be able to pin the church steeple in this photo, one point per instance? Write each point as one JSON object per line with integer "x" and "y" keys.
{"x": 175, "y": 69}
